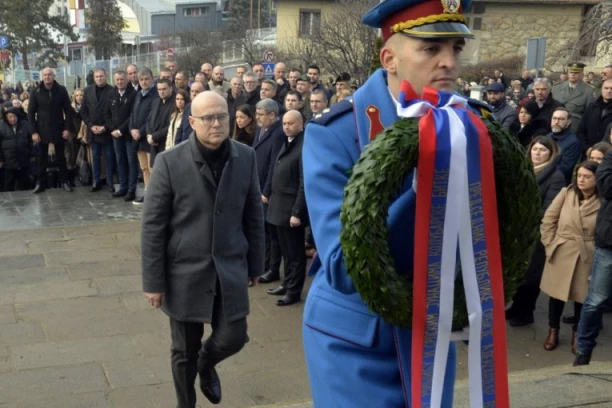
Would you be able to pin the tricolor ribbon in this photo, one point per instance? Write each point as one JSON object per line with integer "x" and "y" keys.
{"x": 456, "y": 217}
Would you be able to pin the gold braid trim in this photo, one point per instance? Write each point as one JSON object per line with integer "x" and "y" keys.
{"x": 437, "y": 18}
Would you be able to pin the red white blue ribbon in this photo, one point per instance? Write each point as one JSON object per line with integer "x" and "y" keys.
{"x": 456, "y": 217}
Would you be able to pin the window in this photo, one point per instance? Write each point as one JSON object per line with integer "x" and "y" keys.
{"x": 477, "y": 24}
{"x": 195, "y": 11}
{"x": 310, "y": 22}
{"x": 59, "y": 10}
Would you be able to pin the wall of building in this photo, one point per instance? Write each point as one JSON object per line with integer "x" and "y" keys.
{"x": 506, "y": 29}
{"x": 212, "y": 21}
{"x": 288, "y": 18}
{"x": 162, "y": 24}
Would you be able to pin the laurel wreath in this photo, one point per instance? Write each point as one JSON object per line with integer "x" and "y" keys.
{"x": 377, "y": 178}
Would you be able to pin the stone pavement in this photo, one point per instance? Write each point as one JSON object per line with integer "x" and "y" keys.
{"x": 76, "y": 332}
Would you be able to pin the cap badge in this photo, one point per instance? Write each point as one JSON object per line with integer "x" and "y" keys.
{"x": 451, "y": 6}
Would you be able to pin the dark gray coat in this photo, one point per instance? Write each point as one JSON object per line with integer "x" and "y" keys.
{"x": 194, "y": 232}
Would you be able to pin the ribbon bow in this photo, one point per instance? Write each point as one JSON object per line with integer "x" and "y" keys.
{"x": 456, "y": 217}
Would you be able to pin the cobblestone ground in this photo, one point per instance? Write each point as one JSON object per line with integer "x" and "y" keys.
{"x": 76, "y": 332}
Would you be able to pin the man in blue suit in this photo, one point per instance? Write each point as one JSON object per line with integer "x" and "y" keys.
{"x": 355, "y": 358}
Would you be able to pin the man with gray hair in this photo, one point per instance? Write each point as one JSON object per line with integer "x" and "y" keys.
{"x": 543, "y": 97}
{"x": 269, "y": 139}
{"x": 251, "y": 94}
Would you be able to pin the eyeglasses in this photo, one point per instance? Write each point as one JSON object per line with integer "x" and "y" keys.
{"x": 209, "y": 120}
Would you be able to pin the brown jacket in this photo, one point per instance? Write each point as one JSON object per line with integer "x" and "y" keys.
{"x": 568, "y": 231}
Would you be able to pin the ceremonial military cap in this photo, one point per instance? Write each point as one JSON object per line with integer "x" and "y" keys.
{"x": 421, "y": 18}
{"x": 304, "y": 78}
{"x": 495, "y": 87}
{"x": 344, "y": 77}
{"x": 576, "y": 67}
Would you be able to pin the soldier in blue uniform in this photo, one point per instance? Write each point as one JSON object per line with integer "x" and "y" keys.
{"x": 356, "y": 359}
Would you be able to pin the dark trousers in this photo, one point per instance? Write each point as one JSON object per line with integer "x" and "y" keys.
{"x": 272, "y": 260}
{"x": 190, "y": 355}
{"x": 555, "y": 310}
{"x": 16, "y": 179}
{"x": 291, "y": 242}
{"x": 43, "y": 160}
{"x": 109, "y": 155}
{"x": 127, "y": 163}
{"x": 525, "y": 299}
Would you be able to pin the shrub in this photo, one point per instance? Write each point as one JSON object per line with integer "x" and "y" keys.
{"x": 512, "y": 67}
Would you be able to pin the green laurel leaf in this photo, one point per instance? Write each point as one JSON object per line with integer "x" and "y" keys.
{"x": 377, "y": 178}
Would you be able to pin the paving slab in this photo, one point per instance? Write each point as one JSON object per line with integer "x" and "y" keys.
{"x": 33, "y": 275}
{"x": 72, "y": 244}
{"x": 115, "y": 285}
{"x": 21, "y": 333}
{"x": 138, "y": 372}
{"x": 12, "y": 248}
{"x": 91, "y": 255}
{"x": 5, "y": 359}
{"x": 7, "y": 315}
{"x": 46, "y": 291}
{"x": 88, "y": 270}
{"x": 71, "y": 352}
{"x": 11, "y": 263}
{"x": 61, "y": 382}
{"x": 88, "y": 400}
{"x": 69, "y": 309}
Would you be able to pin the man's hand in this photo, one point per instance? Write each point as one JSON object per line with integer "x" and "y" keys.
{"x": 135, "y": 134}
{"x": 294, "y": 222}
{"x": 35, "y": 138}
{"x": 253, "y": 281}
{"x": 116, "y": 134}
{"x": 1, "y": 165}
{"x": 264, "y": 199}
{"x": 65, "y": 135}
{"x": 150, "y": 140}
{"x": 155, "y": 299}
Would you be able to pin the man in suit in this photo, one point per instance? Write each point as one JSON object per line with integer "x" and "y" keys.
{"x": 269, "y": 139}
{"x": 251, "y": 94}
{"x": 118, "y": 111}
{"x": 132, "y": 73}
{"x": 93, "y": 114}
{"x": 574, "y": 93}
{"x": 50, "y": 119}
{"x": 284, "y": 192}
{"x": 159, "y": 118}
{"x": 138, "y": 124}
{"x": 544, "y": 98}
{"x": 202, "y": 246}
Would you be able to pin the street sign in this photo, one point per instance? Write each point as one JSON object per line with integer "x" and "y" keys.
{"x": 268, "y": 56}
{"x": 170, "y": 52}
{"x": 4, "y": 41}
{"x": 536, "y": 53}
{"x": 268, "y": 69}
{"x": 35, "y": 76}
{"x": 5, "y": 56}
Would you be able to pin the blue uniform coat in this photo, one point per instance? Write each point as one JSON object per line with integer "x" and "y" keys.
{"x": 355, "y": 359}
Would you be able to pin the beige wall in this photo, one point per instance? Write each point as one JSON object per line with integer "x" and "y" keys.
{"x": 288, "y": 18}
{"x": 506, "y": 28}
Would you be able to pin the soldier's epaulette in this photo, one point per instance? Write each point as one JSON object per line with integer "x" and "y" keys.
{"x": 480, "y": 108}
{"x": 337, "y": 110}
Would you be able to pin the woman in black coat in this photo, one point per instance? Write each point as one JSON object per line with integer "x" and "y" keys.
{"x": 527, "y": 126}
{"x": 15, "y": 150}
{"x": 543, "y": 152}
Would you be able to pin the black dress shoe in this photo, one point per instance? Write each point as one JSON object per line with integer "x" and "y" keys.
{"x": 38, "y": 189}
{"x": 269, "y": 277}
{"x": 287, "y": 300}
{"x": 130, "y": 196}
{"x": 582, "y": 359}
{"x": 520, "y": 321}
{"x": 277, "y": 291}
{"x": 111, "y": 189}
{"x": 120, "y": 193}
{"x": 95, "y": 187}
{"x": 66, "y": 185}
{"x": 210, "y": 385}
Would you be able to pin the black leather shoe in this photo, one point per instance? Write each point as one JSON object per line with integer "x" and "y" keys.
{"x": 520, "y": 321}
{"x": 569, "y": 319}
{"x": 287, "y": 300}
{"x": 120, "y": 193}
{"x": 66, "y": 185}
{"x": 269, "y": 277}
{"x": 277, "y": 291}
{"x": 95, "y": 187}
{"x": 38, "y": 189}
{"x": 111, "y": 189}
{"x": 582, "y": 359}
{"x": 210, "y": 385}
{"x": 130, "y": 196}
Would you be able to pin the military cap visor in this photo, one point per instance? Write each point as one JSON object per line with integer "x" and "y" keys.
{"x": 421, "y": 18}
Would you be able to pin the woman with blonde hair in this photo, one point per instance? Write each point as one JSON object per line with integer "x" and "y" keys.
{"x": 176, "y": 116}
{"x": 598, "y": 151}
{"x": 25, "y": 100}
{"x": 568, "y": 232}
{"x": 543, "y": 153}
